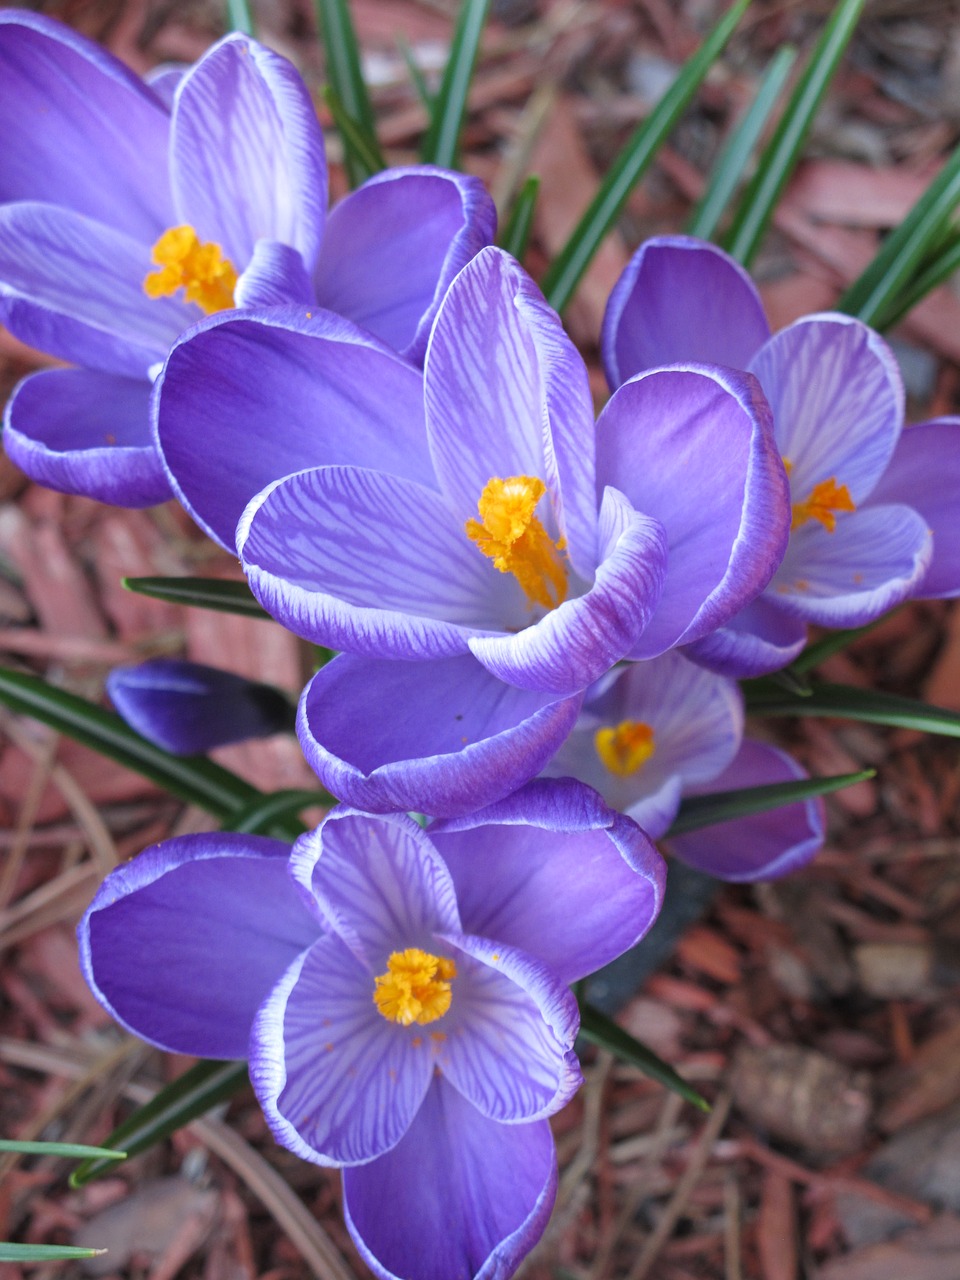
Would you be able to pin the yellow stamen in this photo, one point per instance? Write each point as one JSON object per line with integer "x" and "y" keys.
{"x": 415, "y": 988}
{"x": 188, "y": 263}
{"x": 625, "y": 748}
{"x": 826, "y": 498}
{"x": 510, "y": 534}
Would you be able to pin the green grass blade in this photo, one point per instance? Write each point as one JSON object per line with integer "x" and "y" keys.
{"x": 723, "y": 806}
{"x": 416, "y": 76}
{"x": 72, "y": 1150}
{"x": 191, "y": 1095}
{"x": 345, "y": 75}
{"x": 733, "y": 159}
{"x": 239, "y": 17}
{"x": 516, "y": 230}
{"x": 848, "y": 703}
{"x": 780, "y": 157}
{"x": 833, "y": 642}
{"x": 45, "y": 1252}
{"x": 442, "y": 141}
{"x": 568, "y": 267}
{"x": 263, "y": 813}
{"x": 895, "y": 267}
{"x": 200, "y": 593}
{"x": 356, "y": 143}
{"x": 190, "y": 778}
{"x": 602, "y": 1031}
{"x": 940, "y": 268}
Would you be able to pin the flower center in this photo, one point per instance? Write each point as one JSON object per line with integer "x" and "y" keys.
{"x": 825, "y": 499}
{"x": 625, "y": 748}
{"x": 415, "y": 988}
{"x": 510, "y": 534}
{"x": 196, "y": 266}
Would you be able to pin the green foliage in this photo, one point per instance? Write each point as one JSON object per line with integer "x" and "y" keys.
{"x": 632, "y": 163}
{"x": 723, "y": 806}
{"x": 72, "y": 1150}
{"x": 200, "y": 593}
{"x": 516, "y": 230}
{"x": 45, "y": 1252}
{"x": 442, "y": 142}
{"x": 239, "y": 17}
{"x": 345, "y": 76}
{"x": 602, "y": 1031}
{"x": 263, "y": 813}
{"x": 764, "y": 697}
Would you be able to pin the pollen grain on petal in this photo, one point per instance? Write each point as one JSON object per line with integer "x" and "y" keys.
{"x": 510, "y": 534}
{"x": 198, "y": 267}
{"x": 626, "y": 747}
{"x": 415, "y": 988}
{"x": 825, "y": 500}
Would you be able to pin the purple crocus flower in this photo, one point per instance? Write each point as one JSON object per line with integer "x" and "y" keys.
{"x": 189, "y": 708}
{"x": 402, "y": 996}
{"x": 653, "y": 732}
{"x": 466, "y": 512}
{"x": 864, "y": 496}
{"x": 128, "y": 212}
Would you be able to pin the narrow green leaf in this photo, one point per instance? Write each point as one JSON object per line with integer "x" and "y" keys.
{"x": 723, "y": 806}
{"x": 516, "y": 230}
{"x": 44, "y": 1252}
{"x": 362, "y": 150}
{"x": 574, "y": 258}
{"x": 606, "y": 1034}
{"x": 940, "y": 268}
{"x": 346, "y": 76}
{"x": 733, "y": 159}
{"x": 191, "y": 778}
{"x": 441, "y": 143}
{"x": 834, "y": 642}
{"x": 200, "y": 593}
{"x": 416, "y": 76}
{"x": 73, "y": 1150}
{"x": 848, "y": 703}
{"x": 263, "y": 813}
{"x": 239, "y": 17}
{"x": 191, "y": 1095}
{"x": 877, "y": 290}
{"x": 783, "y": 151}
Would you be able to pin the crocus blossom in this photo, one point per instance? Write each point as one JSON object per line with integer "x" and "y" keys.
{"x": 402, "y": 996}
{"x": 470, "y": 512}
{"x": 864, "y": 497}
{"x": 128, "y": 212}
{"x": 651, "y": 733}
{"x": 187, "y": 708}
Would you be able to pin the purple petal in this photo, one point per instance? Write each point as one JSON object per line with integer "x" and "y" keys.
{"x": 338, "y": 1083}
{"x": 459, "y": 1196}
{"x": 187, "y": 708}
{"x": 507, "y": 1042}
{"x": 763, "y": 845}
{"x": 577, "y": 642}
{"x": 275, "y": 393}
{"x": 165, "y": 79}
{"x": 924, "y": 473}
{"x": 456, "y": 737}
{"x": 681, "y": 300}
{"x": 694, "y": 449}
{"x": 697, "y": 723}
{"x": 392, "y": 247}
{"x": 79, "y": 129}
{"x": 875, "y": 558}
{"x": 182, "y": 944}
{"x": 74, "y": 288}
{"x": 247, "y": 158}
{"x": 759, "y": 639}
{"x": 78, "y": 431}
{"x": 554, "y": 871}
{"x": 837, "y": 400}
{"x": 379, "y": 884}
{"x": 370, "y": 563}
{"x": 276, "y": 276}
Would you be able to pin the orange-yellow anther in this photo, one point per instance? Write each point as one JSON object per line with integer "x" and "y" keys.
{"x": 515, "y": 540}
{"x": 197, "y": 267}
{"x": 825, "y": 500}
{"x": 415, "y": 988}
{"x": 626, "y": 747}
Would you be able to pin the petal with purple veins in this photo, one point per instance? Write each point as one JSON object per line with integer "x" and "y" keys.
{"x": 681, "y": 300}
{"x": 460, "y": 1195}
{"x": 392, "y": 247}
{"x": 274, "y": 277}
{"x": 80, "y": 431}
{"x": 759, "y": 639}
{"x": 182, "y": 944}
